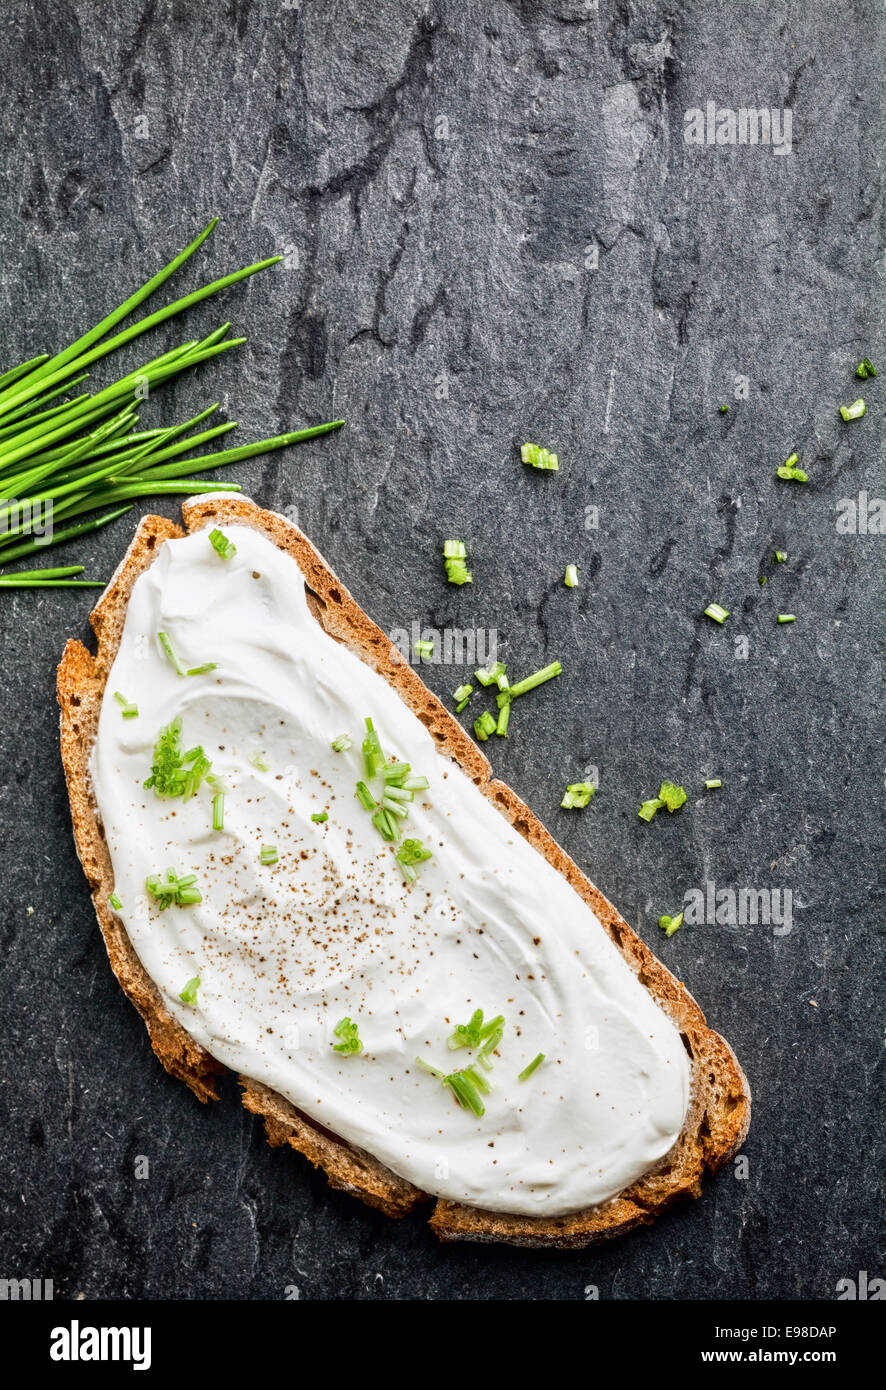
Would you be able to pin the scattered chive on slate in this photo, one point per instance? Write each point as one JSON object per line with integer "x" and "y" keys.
{"x": 570, "y": 578}
{"x": 349, "y": 1036}
{"x": 424, "y": 649}
{"x": 672, "y": 796}
{"x": 669, "y": 795}
{"x": 536, "y": 1062}
{"x": 455, "y": 562}
{"x": 189, "y": 993}
{"x": 528, "y": 683}
{"x": 577, "y": 795}
{"x": 221, "y": 545}
{"x": 711, "y": 782}
{"x": 723, "y": 409}
{"x": 790, "y": 473}
{"x": 853, "y": 411}
{"x": 865, "y": 369}
{"x": 787, "y": 617}
{"x": 779, "y": 556}
{"x": 538, "y": 457}
{"x": 84, "y": 453}
{"x": 717, "y": 612}
{"x": 490, "y": 675}
{"x": 484, "y": 726}
{"x": 670, "y": 924}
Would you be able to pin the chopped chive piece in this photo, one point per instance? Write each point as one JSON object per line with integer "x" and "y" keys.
{"x": 538, "y": 457}
{"x": 454, "y": 561}
{"x": 174, "y": 773}
{"x": 530, "y": 682}
{"x": 790, "y": 472}
{"x": 260, "y": 760}
{"x": 536, "y": 1062}
{"x": 712, "y": 782}
{"x": 373, "y": 757}
{"x": 218, "y": 811}
{"x": 723, "y": 409}
{"x": 365, "y": 797}
{"x": 649, "y": 808}
{"x": 416, "y": 784}
{"x": 504, "y": 719}
{"x": 489, "y": 675}
{"x": 853, "y": 411}
{"x": 570, "y": 578}
{"x": 394, "y": 807}
{"x": 425, "y": 650}
{"x": 174, "y": 888}
{"x": 477, "y": 1080}
{"x": 787, "y": 617}
{"x": 114, "y": 902}
{"x": 342, "y": 743}
{"x": 384, "y": 825}
{"x": 350, "y": 1038}
{"x": 410, "y": 853}
{"x": 491, "y": 1043}
{"x": 201, "y": 670}
{"x": 268, "y": 854}
{"x": 462, "y": 695}
{"x": 432, "y": 1071}
{"x": 717, "y": 612}
{"x": 462, "y": 705}
{"x": 398, "y": 793}
{"x": 465, "y": 1092}
{"x": 866, "y": 368}
{"x": 127, "y": 709}
{"x": 475, "y": 1032}
{"x": 671, "y": 796}
{"x": 780, "y": 556}
{"x": 318, "y": 817}
{"x": 484, "y": 726}
{"x": 395, "y": 772}
{"x": 577, "y": 795}
{"x": 221, "y": 545}
{"x": 189, "y": 993}
{"x": 761, "y": 579}
{"x": 670, "y": 924}
{"x": 454, "y": 550}
{"x": 174, "y": 662}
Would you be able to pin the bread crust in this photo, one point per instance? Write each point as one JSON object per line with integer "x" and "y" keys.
{"x": 719, "y": 1112}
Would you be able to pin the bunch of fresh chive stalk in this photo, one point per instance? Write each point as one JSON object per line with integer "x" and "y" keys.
{"x": 65, "y": 458}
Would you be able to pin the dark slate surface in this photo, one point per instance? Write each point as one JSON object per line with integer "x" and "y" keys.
{"x": 419, "y": 266}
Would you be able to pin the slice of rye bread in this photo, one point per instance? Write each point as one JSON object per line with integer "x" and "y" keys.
{"x": 719, "y": 1112}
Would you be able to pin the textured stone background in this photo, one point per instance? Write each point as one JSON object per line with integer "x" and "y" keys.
{"x": 415, "y": 264}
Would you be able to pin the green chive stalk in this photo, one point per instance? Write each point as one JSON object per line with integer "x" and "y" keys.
{"x": 83, "y": 453}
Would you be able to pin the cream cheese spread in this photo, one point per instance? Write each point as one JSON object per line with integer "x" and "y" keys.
{"x": 284, "y": 951}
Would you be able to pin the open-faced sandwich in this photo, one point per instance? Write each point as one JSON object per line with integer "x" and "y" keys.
{"x": 305, "y": 872}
